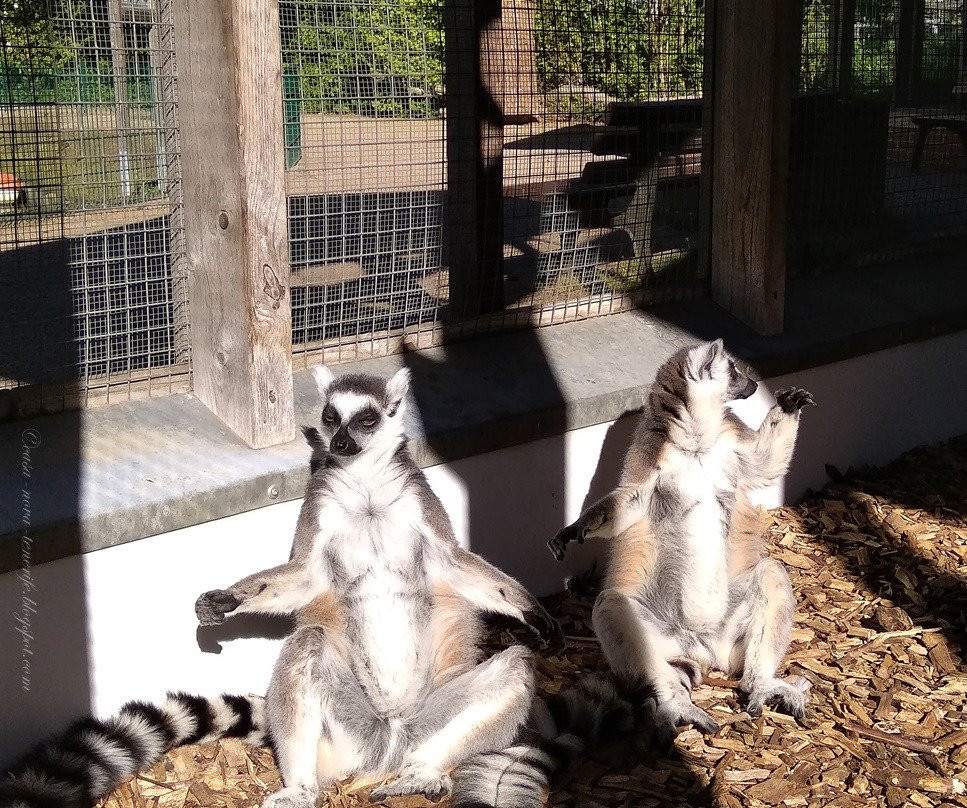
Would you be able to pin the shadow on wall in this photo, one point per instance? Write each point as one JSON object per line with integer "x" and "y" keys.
{"x": 44, "y": 670}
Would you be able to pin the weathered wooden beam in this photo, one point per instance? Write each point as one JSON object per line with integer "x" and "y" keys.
{"x": 842, "y": 43}
{"x": 909, "y": 51}
{"x": 475, "y": 144}
{"x": 233, "y": 190}
{"x": 752, "y": 81}
{"x": 511, "y": 62}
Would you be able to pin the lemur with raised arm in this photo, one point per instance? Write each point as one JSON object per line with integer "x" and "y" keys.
{"x": 688, "y": 586}
{"x": 383, "y": 675}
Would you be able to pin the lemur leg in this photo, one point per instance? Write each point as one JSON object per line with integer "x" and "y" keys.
{"x": 477, "y": 711}
{"x": 770, "y": 454}
{"x": 322, "y": 723}
{"x": 756, "y": 637}
{"x": 639, "y": 651}
{"x": 280, "y": 590}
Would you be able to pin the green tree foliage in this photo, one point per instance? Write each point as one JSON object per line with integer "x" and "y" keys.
{"x": 630, "y": 49}
{"x": 381, "y": 57}
{"x": 35, "y": 53}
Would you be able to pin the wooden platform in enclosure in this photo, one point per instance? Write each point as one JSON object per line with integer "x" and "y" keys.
{"x": 877, "y": 561}
{"x": 27, "y": 230}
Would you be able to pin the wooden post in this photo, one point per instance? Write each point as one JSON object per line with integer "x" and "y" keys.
{"x": 842, "y": 43}
{"x": 230, "y": 88}
{"x": 752, "y": 80}
{"x": 909, "y": 51}
{"x": 119, "y": 69}
{"x": 475, "y": 143}
{"x": 511, "y": 62}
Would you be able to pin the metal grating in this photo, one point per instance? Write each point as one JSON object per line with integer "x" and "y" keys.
{"x": 878, "y": 170}
{"x": 94, "y": 305}
{"x": 589, "y": 202}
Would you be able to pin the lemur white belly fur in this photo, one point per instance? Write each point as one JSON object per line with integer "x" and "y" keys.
{"x": 380, "y": 581}
{"x": 700, "y": 479}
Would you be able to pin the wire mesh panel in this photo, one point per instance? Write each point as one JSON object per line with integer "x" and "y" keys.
{"x": 879, "y": 135}
{"x": 93, "y": 308}
{"x": 607, "y": 167}
{"x": 366, "y": 179}
{"x": 459, "y": 167}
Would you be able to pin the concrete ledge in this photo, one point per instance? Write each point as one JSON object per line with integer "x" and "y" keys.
{"x": 104, "y": 477}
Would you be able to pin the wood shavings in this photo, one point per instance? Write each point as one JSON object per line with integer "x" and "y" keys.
{"x": 879, "y": 565}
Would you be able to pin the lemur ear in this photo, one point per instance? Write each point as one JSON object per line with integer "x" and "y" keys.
{"x": 396, "y": 390}
{"x": 707, "y": 354}
{"x": 324, "y": 377}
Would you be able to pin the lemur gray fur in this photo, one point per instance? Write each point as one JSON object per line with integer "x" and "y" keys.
{"x": 383, "y": 674}
{"x": 688, "y": 586}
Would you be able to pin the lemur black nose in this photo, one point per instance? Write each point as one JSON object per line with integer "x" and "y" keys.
{"x": 342, "y": 443}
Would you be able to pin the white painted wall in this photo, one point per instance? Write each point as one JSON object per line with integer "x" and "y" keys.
{"x": 119, "y": 623}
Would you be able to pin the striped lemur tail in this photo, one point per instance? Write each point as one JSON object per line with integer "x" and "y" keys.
{"x": 562, "y": 726}
{"x": 93, "y": 757}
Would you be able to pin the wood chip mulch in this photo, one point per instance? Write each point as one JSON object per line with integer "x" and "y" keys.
{"x": 879, "y": 563}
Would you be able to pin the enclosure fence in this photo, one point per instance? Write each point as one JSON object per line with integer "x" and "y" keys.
{"x": 446, "y": 169}
{"x": 90, "y": 232}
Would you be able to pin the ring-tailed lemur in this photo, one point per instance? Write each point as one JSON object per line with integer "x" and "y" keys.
{"x": 383, "y": 673}
{"x": 688, "y": 586}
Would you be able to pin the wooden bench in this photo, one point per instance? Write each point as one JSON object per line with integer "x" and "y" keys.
{"x": 926, "y": 124}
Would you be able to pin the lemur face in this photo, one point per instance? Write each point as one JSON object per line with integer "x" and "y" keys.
{"x": 360, "y": 413}
{"x": 716, "y": 373}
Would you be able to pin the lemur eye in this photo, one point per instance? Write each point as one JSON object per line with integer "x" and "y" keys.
{"x": 369, "y": 420}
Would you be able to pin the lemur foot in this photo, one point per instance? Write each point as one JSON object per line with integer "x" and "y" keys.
{"x": 547, "y": 629}
{"x": 787, "y": 697}
{"x": 794, "y": 399}
{"x": 432, "y": 784}
{"x": 672, "y": 713}
{"x": 290, "y": 798}
{"x": 211, "y": 607}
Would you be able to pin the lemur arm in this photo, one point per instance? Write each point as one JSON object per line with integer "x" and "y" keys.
{"x": 280, "y": 590}
{"x": 768, "y": 450}
{"x": 610, "y": 516}
{"x": 488, "y": 589}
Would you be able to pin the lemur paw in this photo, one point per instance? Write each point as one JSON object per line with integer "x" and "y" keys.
{"x": 431, "y": 784}
{"x": 794, "y": 399}
{"x": 290, "y": 798}
{"x": 558, "y": 545}
{"x": 668, "y": 716}
{"x": 211, "y": 607}
{"x": 545, "y": 627}
{"x": 787, "y": 697}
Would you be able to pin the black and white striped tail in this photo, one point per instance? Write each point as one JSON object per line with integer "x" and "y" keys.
{"x": 562, "y": 726}
{"x": 94, "y": 757}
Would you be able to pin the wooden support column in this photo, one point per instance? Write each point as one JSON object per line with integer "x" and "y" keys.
{"x": 909, "y": 51}
{"x": 842, "y": 43}
{"x": 752, "y": 81}
{"x": 233, "y": 187}
{"x": 475, "y": 144}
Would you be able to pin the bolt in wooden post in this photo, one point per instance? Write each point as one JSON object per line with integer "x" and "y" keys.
{"x": 233, "y": 187}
